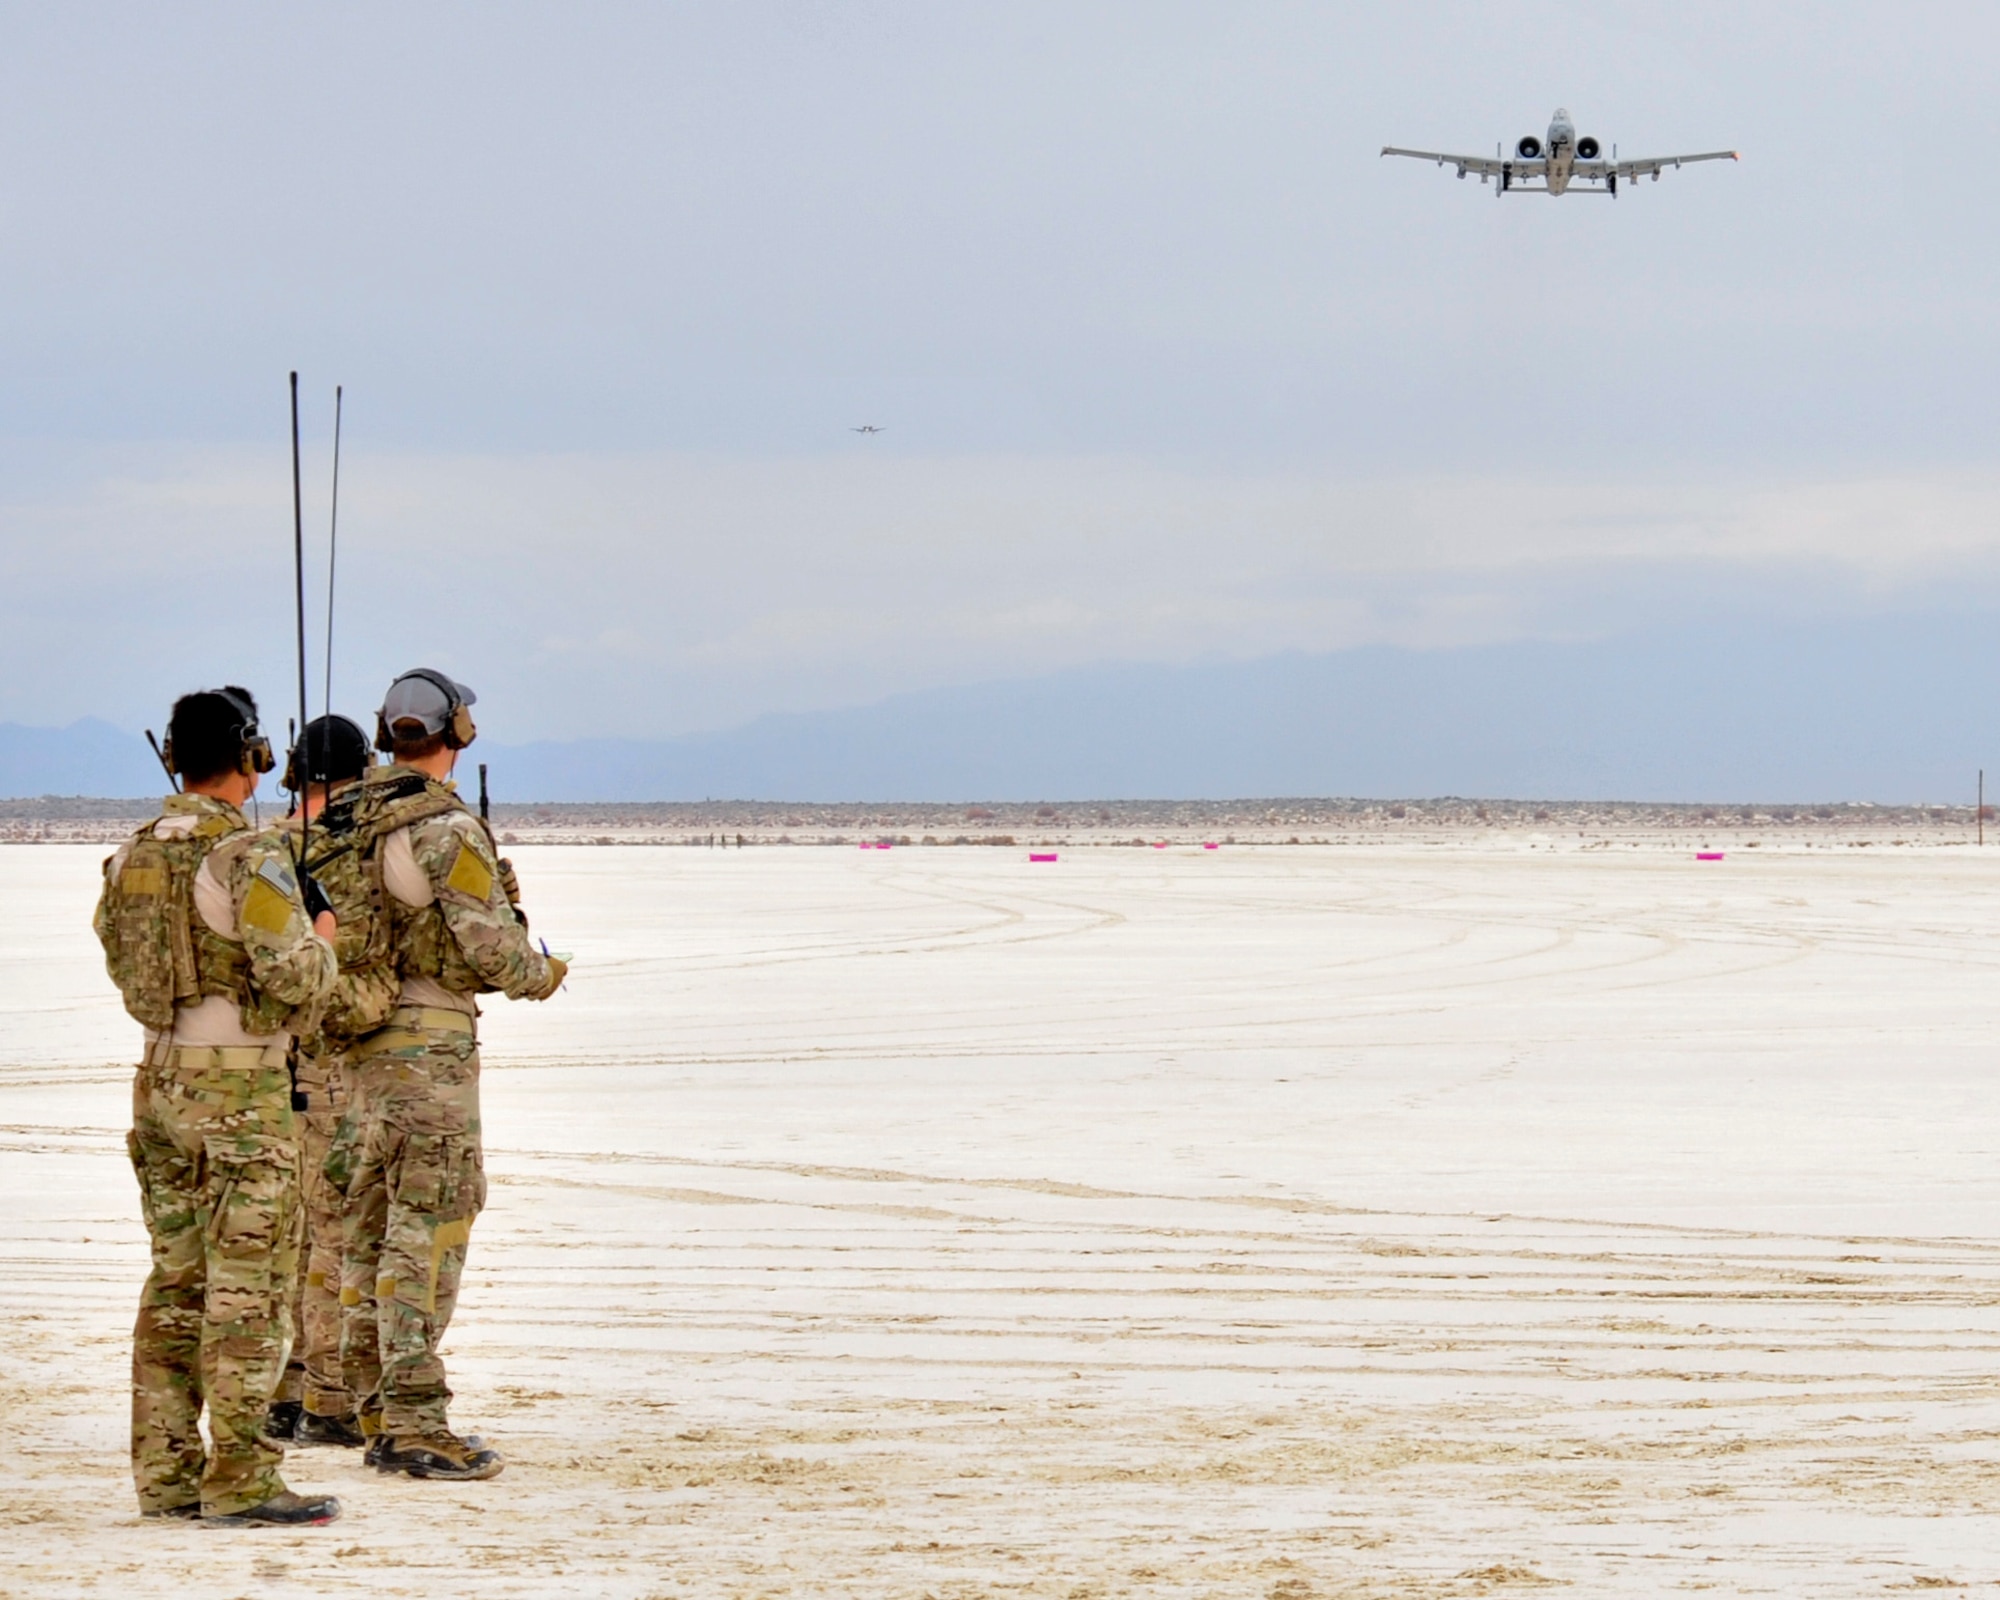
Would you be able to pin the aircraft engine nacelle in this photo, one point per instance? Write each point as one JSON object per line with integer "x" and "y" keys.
{"x": 1528, "y": 148}
{"x": 1587, "y": 148}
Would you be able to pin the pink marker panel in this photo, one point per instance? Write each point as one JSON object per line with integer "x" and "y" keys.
{"x": 1708, "y": 855}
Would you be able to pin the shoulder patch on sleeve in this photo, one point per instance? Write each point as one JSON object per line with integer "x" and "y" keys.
{"x": 264, "y": 907}
{"x": 470, "y": 875}
{"x": 277, "y": 872}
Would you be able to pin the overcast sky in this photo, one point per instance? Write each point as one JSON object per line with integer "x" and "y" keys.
{"x": 1171, "y": 365}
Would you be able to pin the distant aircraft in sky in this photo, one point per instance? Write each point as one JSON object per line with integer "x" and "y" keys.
{"x": 1565, "y": 160}
{"x": 867, "y": 427}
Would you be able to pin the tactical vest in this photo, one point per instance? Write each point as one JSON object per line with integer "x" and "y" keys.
{"x": 360, "y": 941}
{"x": 376, "y": 929}
{"x": 160, "y": 952}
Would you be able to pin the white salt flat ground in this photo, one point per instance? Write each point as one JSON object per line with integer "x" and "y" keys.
{"x": 1282, "y": 1222}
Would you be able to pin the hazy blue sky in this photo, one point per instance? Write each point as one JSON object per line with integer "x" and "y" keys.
{"x": 1172, "y": 365}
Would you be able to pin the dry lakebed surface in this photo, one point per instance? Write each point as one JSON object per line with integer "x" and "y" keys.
{"x": 1438, "y": 1210}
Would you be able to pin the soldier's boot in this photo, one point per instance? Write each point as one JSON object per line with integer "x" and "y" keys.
{"x": 369, "y": 1420}
{"x": 282, "y": 1510}
{"x": 440, "y": 1455}
{"x": 369, "y": 1417}
{"x": 281, "y": 1418}
{"x": 316, "y": 1429}
{"x": 189, "y": 1512}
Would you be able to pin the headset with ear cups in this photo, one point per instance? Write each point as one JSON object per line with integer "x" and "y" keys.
{"x": 253, "y": 750}
{"x": 339, "y": 741}
{"x": 254, "y": 753}
{"x": 459, "y": 730}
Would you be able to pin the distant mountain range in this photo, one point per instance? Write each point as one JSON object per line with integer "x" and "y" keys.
{"x": 87, "y": 757}
{"x": 1893, "y": 709}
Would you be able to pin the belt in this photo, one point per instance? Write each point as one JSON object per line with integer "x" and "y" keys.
{"x": 217, "y": 1057}
{"x": 400, "y": 1034}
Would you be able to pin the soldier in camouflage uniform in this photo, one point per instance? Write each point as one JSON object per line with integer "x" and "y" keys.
{"x": 206, "y": 933}
{"x": 452, "y": 929}
{"x": 313, "y": 1405}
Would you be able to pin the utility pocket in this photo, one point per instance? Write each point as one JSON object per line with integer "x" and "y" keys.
{"x": 255, "y": 1181}
{"x": 423, "y": 1173}
{"x": 472, "y": 1195}
{"x": 167, "y": 1181}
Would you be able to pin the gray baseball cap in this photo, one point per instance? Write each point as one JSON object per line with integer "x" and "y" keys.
{"x": 421, "y": 695}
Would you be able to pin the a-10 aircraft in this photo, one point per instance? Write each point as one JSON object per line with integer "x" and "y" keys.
{"x": 1565, "y": 160}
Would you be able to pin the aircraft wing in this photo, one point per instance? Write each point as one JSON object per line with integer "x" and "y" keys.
{"x": 1598, "y": 171}
{"x": 1485, "y": 166}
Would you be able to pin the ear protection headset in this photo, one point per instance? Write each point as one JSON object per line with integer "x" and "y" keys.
{"x": 458, "y": 729}
{"x": 321, "y": 753}
{"x": 253, "y": 750}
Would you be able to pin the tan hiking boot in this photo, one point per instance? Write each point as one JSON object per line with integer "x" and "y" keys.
{"x": 439, "y": 1455}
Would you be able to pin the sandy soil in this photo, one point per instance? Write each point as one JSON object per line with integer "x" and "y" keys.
{"x": 1413, "y": 1221}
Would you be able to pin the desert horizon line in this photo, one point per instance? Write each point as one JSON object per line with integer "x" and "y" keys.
{"x": 991, "y": 809}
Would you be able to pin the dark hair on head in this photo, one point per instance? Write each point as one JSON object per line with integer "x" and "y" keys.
{"x": 419, "y": 747}
{"x": 334, "y": 750}
{"x": 207, "y": 731}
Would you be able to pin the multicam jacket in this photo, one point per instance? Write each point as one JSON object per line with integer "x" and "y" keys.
{"x": 365, "y": 991}
{"x": 164, "y": 954}
{"x": 450, "y": 899}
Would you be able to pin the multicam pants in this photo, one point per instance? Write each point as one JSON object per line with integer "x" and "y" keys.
{"x": 217, "y": 1158}
{"x": 418, "y": 1181}
{"x": 313, "y": 1374}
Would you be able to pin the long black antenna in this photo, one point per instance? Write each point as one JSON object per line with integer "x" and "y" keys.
{"x": 299, "y": 577}
{"x": 167, "y": 767}
{"x": 332, "y": 551}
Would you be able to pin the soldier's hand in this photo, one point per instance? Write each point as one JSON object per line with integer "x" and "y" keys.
{"x": 316, "y": 901}
{"x": 324, "y": 926}
{"x": 558, "y": 970}
{"x": 511, "y": 887}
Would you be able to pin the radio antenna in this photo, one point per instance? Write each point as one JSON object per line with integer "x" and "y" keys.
{"x": 332, "y": 551}
{"x": 315, "y": 900}
{"x": 167, "y": 766}
{"x": 299, "y": 574}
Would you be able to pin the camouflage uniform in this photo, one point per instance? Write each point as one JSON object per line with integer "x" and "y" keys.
{"x": 313, "y": 1374}
{"x": 362, "y": 997}
{"x": 418, "y": 1177}
{"x": 213, "y": 1141}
